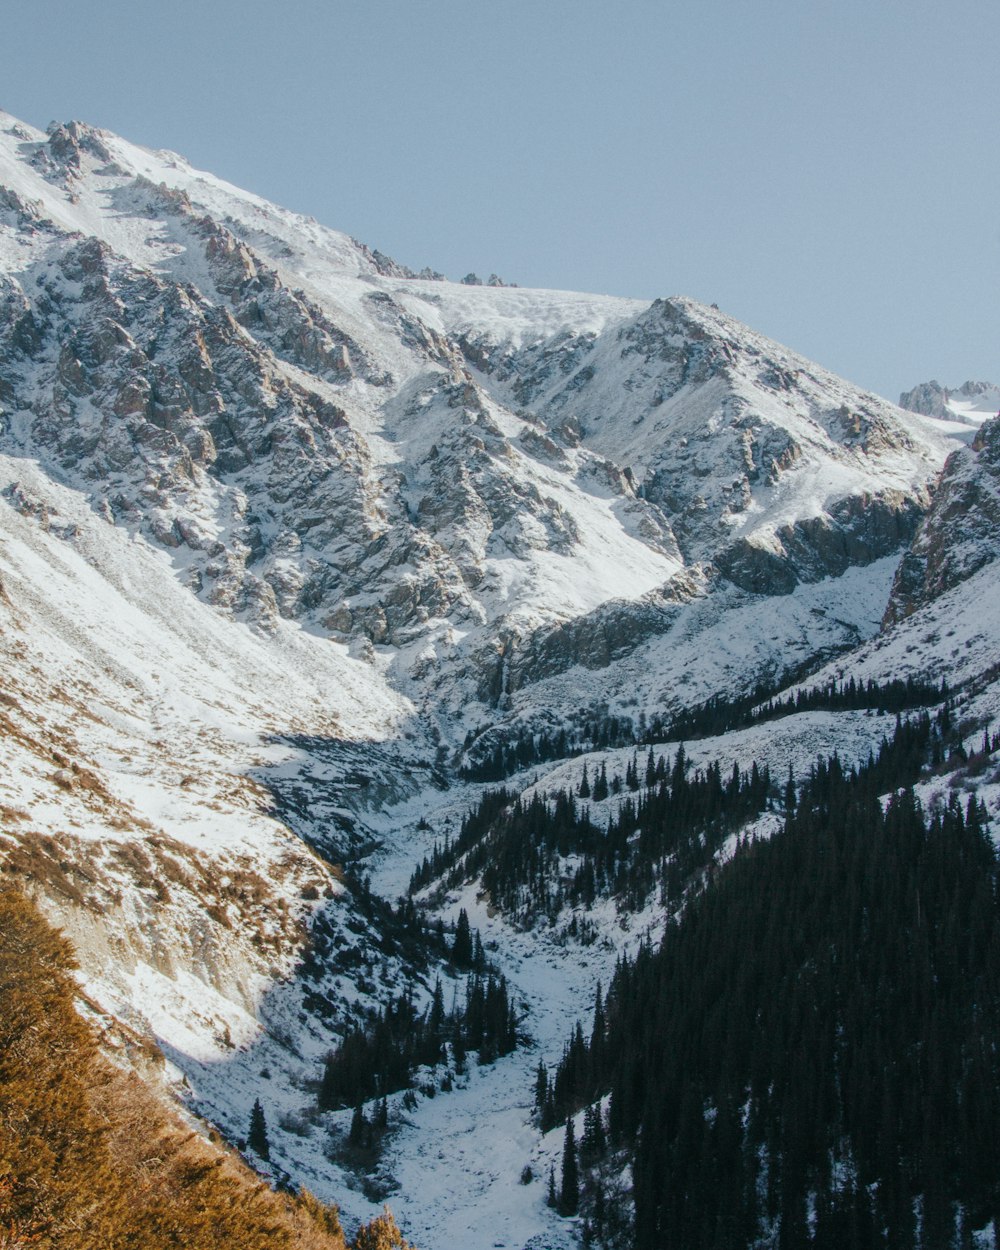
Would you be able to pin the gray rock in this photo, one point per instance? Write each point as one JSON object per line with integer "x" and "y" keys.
{"x": 959, "y": 535}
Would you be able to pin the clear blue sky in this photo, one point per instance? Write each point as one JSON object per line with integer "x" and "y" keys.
{"x": 826, "y": 171}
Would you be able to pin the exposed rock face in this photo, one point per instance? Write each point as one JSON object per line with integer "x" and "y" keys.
{"x": 855, "y": 531}
{"x": 182, "y": 423}
{"x": 934, "y": 400}
{"x": 718, "y": 423}
{"x": 978, "y": 390}
{"x": 958, "y": 537}
{"x": 208, "y": 403}
{"x": 310, "y": 431}
{"x": 595, "y": 640}
{"x": 929, "y": 398}
{"x": 61, "y": 157}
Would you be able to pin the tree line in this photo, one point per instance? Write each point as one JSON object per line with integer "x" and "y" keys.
{"x": 810, "y": 1057}
{"x": 493, "y": 758}
{"x": 536, "y": 856}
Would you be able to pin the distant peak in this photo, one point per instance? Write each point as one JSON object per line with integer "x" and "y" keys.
{"x": 931, "y": 399}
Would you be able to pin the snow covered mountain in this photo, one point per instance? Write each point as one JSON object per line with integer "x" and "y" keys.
{"x": 287, "y": 535}
{"x": 970, "y": 404}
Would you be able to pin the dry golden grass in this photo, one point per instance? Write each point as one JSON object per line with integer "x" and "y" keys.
{"x": 91, "y": 1159}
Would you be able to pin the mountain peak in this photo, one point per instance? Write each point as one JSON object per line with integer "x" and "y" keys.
{"x": 291, "y": 536}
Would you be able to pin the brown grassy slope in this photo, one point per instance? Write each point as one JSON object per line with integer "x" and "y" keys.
{"x": 90, "y": 1159}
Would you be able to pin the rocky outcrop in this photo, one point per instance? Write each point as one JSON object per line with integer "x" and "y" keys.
{"x": 933, "y": 400}
{"x": 854, "y": 532}
{"x": 720, "y": 423}
{"x": 929, "y": 398}
{"x": 188, "y": 429}
{"x": 959, "y": 535}
{"x": 595, "y": 640}
{"x": 287, "y": 321}
{"x": 61, "y": 158}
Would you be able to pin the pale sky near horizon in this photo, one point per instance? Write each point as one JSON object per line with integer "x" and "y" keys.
{"x": 827, "y": 172}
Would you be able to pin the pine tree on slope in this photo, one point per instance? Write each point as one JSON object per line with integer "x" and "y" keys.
{"x": 257, "y": 1137}
{"x": 569, "y": 1194}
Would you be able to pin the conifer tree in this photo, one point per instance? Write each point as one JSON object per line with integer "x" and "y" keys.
{"x": 257, "y": 1136}
{"x": 433, "y": 1046}
{"x": 790, "y": 792}
{"x": 598, "y": 1027}
{"x": 541, "y": 1084}
{"x": 356, "y": 1134}
{"x": 569, "y": 1192}
{"x": 461, "y": 949}
{"x": 458, "y": 1050}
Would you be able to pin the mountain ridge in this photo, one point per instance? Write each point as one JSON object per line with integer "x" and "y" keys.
{"x": 285, "y": 532}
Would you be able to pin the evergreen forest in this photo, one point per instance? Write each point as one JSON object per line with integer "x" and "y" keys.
{"x": 810, "y": 1057}
{"x": 382, "y": 1056}
{"x": 669, "y": 826}
{"x": 493, "y": 757}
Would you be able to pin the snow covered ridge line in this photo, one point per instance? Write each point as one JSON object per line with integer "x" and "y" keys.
{"x": 470, "y": 486}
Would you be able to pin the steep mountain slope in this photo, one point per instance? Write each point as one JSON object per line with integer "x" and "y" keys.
{"x": 363, "y": 495}
{"x": 742, "y": 443}
{"x": 957, "y": 538}
{"x": 969, "y": 405}
{"x": 286, "y": 534}
{"x": 299, "y": 425}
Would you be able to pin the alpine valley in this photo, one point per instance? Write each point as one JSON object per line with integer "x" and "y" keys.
{"x": 396, "y": 674}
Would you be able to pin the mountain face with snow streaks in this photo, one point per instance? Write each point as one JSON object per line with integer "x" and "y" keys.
{"x": 957, "y": 537}
{"x": 969, "y": 403}
{"x": 289, "y": 536}
{"x": 378, "y": 466}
